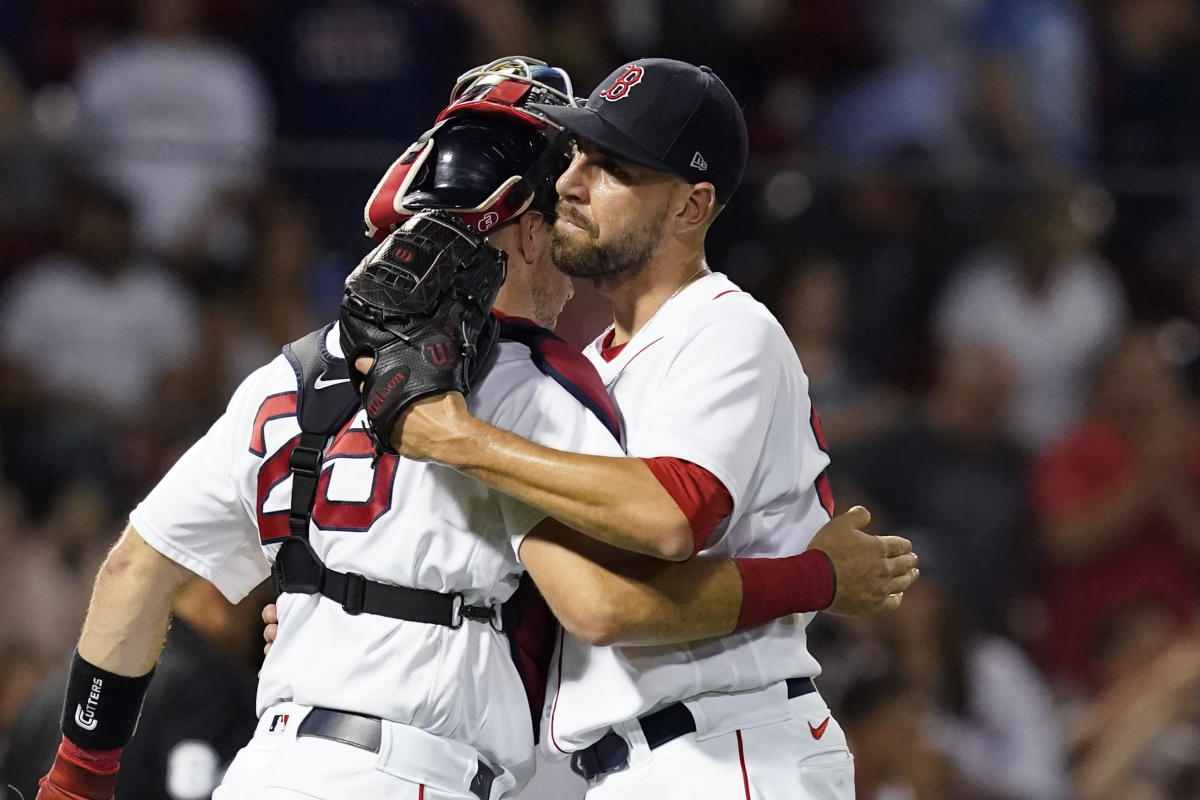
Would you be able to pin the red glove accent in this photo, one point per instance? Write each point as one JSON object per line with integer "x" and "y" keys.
{"x": 79, "y": 774}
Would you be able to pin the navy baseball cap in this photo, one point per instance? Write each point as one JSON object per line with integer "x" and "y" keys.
{"x": 668, "y": 115}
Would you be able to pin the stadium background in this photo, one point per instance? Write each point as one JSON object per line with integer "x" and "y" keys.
{"x": 979, "y": 221}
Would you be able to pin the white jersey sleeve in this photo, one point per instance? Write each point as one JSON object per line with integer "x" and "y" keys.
{"x": 200, "y": 514}
{"x": 715, "y": 401}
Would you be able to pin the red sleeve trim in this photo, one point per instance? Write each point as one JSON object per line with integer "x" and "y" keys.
{"x": 702, "y": 498}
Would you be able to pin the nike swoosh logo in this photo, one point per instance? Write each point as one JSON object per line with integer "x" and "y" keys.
{"x": 819, "y": 731}
{"x": 321, "y": 383}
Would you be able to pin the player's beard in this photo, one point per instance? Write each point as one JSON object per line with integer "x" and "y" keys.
{"x": 608, "y": 262}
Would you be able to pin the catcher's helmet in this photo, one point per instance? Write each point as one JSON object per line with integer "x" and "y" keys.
{"x": 476, "y": 160}
{"x": 490, "y": 157}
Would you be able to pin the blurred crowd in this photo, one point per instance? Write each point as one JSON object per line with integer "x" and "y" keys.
{"x": 978, "y": 220}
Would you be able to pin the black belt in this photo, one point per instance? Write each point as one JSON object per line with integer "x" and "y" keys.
{"x": 611, "y": 752}
{"x": 366, "y": 732}
{"x": 297, "y": 569}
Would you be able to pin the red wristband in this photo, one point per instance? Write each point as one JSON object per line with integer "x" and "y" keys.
{"x": 82, "y": 772}
{"x": 780, "y": 587}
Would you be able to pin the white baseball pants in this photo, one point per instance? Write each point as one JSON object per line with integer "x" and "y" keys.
{"x": 278, "y": 765}
{"x": 803, "y": 758}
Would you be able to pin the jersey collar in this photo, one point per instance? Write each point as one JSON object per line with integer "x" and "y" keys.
{"x": 670, "y": 316}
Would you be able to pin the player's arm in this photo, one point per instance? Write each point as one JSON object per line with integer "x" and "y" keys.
{"x": 122, "y": 636}
{"x": 126, "y": 622}
{"x": 608, "y": 596}
{"x": 616, "y": 500}
{"x": 722, "y": 418}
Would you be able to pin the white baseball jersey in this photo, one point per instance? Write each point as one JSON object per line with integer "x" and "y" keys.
{"x": 408, "y": 523}
{"x": 711, "y": 379}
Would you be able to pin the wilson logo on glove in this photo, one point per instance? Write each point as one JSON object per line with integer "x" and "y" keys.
{"x": 381, "y": 395}
{"x": 442, "y": 353}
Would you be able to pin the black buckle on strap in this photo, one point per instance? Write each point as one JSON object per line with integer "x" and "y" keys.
{"x": 305, "y": 461}
{"x": 356, "y": 593}
{"x": 607, "y": 755}
{"x": 491, "y": 614}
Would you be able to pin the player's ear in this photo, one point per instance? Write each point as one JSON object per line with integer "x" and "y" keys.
{"x": 534, "y": 236}
{"x": 697, "y": 205}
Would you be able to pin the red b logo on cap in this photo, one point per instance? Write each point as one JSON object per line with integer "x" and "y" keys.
{"x": 631, "y": 77}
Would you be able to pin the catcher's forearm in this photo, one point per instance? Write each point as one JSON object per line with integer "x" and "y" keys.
{"x": 112, "y": 668}
{"x": 605, "y": 596}
{"x": 615, "y": 500}
{"x": 131, "y": 602}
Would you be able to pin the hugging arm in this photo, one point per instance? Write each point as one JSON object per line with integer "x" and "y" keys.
{"x": 607, "y": 596}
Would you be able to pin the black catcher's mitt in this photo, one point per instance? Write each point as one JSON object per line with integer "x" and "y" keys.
{"x": 420, "y": 304}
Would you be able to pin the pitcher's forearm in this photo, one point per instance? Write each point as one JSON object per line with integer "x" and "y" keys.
{"x": 615, "y": 500}
{"x": 131, "y": 604}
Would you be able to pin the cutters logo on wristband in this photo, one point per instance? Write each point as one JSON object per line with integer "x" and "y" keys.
{"x": 86, "y": 718}
{"x": 102, "y": 708}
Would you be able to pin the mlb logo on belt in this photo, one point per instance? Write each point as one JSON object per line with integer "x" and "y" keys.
{"x": 278, "y": 723}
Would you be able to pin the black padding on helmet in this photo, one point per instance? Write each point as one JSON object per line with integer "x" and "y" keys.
{"x": 472, "y": 156}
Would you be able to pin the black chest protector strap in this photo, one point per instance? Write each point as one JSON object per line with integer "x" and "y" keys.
{"x": 325, "y": 401}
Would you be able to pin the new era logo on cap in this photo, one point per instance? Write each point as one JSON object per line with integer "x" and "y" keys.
{"x": 668, "y": 115}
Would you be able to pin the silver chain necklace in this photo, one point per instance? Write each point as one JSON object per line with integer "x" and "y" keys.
{"x": 671, "y": 296}
{"x": 612, "y": 379}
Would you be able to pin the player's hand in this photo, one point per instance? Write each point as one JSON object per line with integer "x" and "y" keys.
{"x": 425, "y": 427}
{"x": 270, "y": 615}
{"x": 73, "y": 776}
{"x": 872, "y": 571}
{"x": 430, "y": 427}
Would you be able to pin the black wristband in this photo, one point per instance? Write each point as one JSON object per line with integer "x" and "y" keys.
{"x": 102, "y": 708}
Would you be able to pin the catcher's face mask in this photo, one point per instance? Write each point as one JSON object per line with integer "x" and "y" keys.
{"x": 489, "y": 158}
